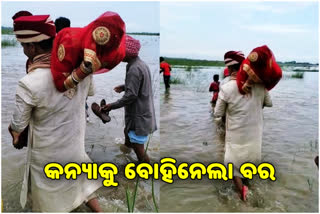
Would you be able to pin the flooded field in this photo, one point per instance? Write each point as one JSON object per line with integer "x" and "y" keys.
{"x": 290, "y": 142}
{"x": 102, "y": 140}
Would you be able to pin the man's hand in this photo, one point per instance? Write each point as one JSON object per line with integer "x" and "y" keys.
{"x": 87, "y": 66}
{"x": 107, "y": 107}
{"x": 15, "y": 137}
{"x": 119, "y": 89}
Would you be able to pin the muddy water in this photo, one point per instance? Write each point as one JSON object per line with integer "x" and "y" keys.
{"x": 102, "y": 140}
{"x": 290, "y": 142}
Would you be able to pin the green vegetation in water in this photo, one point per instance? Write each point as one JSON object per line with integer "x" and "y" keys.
{"x": 144, "y": 33}
{"x": 8, "y": 42}
{"x": 189, "y": 68}
{"x": 9, "y": 30}
{"x": 176, "y": 80}
{"x": 306, "y": 70}
{"x": 193, "y": 62}
{"x": 154, "y": 198}
{"x": 6, "y": 30}
{"x": 201, "y": 62}
{"x": 298, "y": 75}
{"x": 131, "y": 197}
{"x": 294, "y": 63}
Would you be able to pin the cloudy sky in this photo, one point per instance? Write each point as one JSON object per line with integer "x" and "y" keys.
{"x": 202, "y": 30}
{"x": 138, "y": 16}
{"x": 206, "y": 30}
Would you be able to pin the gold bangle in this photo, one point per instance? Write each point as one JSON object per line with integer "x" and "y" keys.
{"x": 75, "y": 77}
{"x": 68, "y": 83}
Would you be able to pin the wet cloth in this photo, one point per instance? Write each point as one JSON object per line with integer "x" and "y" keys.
{"x": 56, "y": 134}
{"x": 214, "y": 86}
{"x": 137, "y": 138}
{"x": 244, "y": 122}
{"x": 138, "y": 99}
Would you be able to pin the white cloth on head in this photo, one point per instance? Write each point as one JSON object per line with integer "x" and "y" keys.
{"x": 244, "y": 123}
{"x": 56, "y": 134}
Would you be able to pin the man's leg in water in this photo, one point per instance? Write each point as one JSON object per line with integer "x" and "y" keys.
{"x": 166, "y": 80}
{"x": 242, "y": 189}
{"x": 127, "y": 139}
{"x": 127, "y": 146}
{"x": 93, "y": 204}
{"x": 139, "y": 150}
{"x": 238, "y": 182}
{"x": 245, "y": 181}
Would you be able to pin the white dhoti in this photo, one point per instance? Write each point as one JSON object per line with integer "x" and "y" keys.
{"x": 57, "y": 125}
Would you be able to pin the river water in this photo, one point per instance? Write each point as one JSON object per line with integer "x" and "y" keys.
{"x": 290, "y": 142}
{"x": 102, "y": 140}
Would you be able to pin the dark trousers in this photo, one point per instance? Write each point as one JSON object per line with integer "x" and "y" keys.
{"x": 166, "y": 80}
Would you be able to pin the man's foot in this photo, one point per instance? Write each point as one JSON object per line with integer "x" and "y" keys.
{"x": 93, "y": 204}
{"x": 125, "y": 149}
{"x": 244, "y": 193}
{"x": 104, "y": 116}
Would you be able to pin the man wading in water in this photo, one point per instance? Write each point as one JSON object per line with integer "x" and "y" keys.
{"x": 137, "y": 100}
{"x": 166, "y": 69}
{"x": 56, "y": 122}
{"x": 242, "y": 99}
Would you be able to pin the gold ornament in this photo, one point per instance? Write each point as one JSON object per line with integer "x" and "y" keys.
{"x": 61, "y": 52}
{"x": 101, "y": 35}
{"x": 253, "y": 56}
